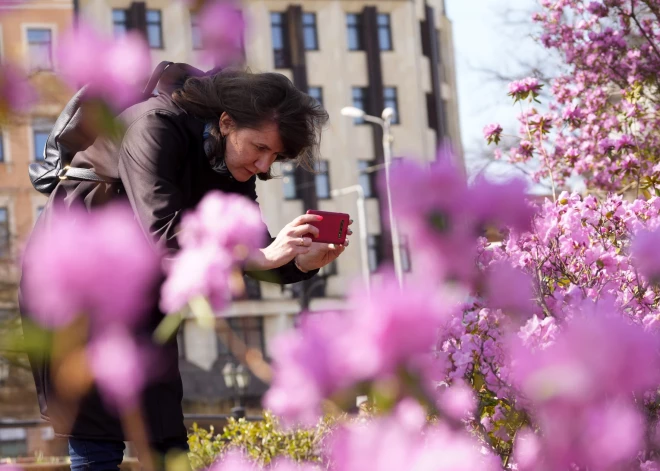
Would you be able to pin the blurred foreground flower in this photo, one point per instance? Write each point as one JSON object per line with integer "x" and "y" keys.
{"x": 118, "y": 366}
{"x": 646, "y": 254}
{"x": 215, "y": 239}
{"x": 113, "y": 69}
{"x": 378, "y": 338}
{"x": 16, "y": 93}
{"x": 395, "y": 443}
{"x": 445, "y": 224}
{"x": 99, "y": 264}
{"x": 222, "y": 27}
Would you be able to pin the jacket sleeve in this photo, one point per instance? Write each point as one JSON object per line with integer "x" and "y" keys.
{"x": 149, "y": 163}
{"x": 285, "y": 274}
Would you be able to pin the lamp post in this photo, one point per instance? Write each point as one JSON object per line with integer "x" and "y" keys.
{"x": 385, "y": 122}
{"x": 362, "y": 224}
{"x": 237, "y": 378}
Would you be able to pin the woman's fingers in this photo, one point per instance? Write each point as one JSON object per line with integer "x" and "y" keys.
{"x": 299, "y": 231}
{"x": 306, "y": 219}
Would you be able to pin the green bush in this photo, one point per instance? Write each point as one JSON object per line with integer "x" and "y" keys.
{"x": 263, "y": 440}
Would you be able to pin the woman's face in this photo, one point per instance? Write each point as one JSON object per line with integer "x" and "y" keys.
{"x": 250, "y": 151}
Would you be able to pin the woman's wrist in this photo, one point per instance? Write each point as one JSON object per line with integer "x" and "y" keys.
{"x": 259, "y": 260}
{"x": 295, "y": 262}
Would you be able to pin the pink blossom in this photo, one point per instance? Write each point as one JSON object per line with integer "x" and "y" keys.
{"x": 234, "y": 461}
{"x": 118, "y": 367}
{"x": 510, "y": 289}
{"x": 492, "y": 133}
{"x": 80, "y": 264}
{"x": 222, "y": 27}
{"x": 113, "y": 70}
{"x": 645, "y": 253}
{"x": 212, "y": 249}
{"x": 457, "y": 401}
{"x": 16, "y": 93}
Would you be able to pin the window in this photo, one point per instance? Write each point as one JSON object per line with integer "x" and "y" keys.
{"x": 4, "y": 233}
{"x": 375, "y": 255}
{"x": 354, "y": 31}
{"x": 316, "y": 93}
{"x": 154, "y": 29}
{"x": 40, "y": 132}
{"x": 405, "y": 254}
{"x": 289, "y": 181}
{"x": 119, "y": 22}
{"x": 248, "y": 331}
{"x": 391, "y": 101}
{"x": 431, "y": 111}
{"x": 196, "y": 31}
{"x": 310, "y": 36}
{"x": 40, "y": 48}
{"x": 384, "y": 32}
{"x": 366, "y": 177}
{"x": 359, "y": 101}
{"x": 278, "y": 32}
{"x": 322, "y": 180}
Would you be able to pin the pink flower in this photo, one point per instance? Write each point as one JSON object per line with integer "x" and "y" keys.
{"x": 118, "y": 367}
{"x": 492, "y": 133}
{"x": 113, "y": 70}
{"x": 645, "y": 253}
{"x": 510, "y": 289}
{"x": 229, "y": 221}
{"x": 222, "y": 26}
{"x": 215, "y": 239}
{"x": 98, "y": 264}
{"x": 522, "y": 89}
{"x": 457, "y": 401}
{"x": 16, "y": 93}
{"x": 234, "y": 461}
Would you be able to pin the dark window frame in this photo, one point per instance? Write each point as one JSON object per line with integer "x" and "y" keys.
{"x": 322, "y": 180}
{"x": 159, "y": 23}
{"x": 195, "y": 32}
{"x": 116, "y": 23}
{"x": 384, "y": 28}
{"x": 354, "y": 29}
{"x": 310, "y": 27}
{"x": 392, "y": 100}
{"x": 317, "y": 96}
{"x": 5, "y": 238}
{"x": 359, "y": 101}
{"x": 369, "y": 177}
{"x": 288, "y": 170}
{"x": 375, "y": 253}
{"x": 43, "y": 127}
{"x": 280, "y": 54}
{"x": 30, "y": 43}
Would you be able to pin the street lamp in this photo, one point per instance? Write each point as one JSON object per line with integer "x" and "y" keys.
{"x": 362, "y": 224}
{"x": 385, "y": 122}
{"x": 237, "y": 378}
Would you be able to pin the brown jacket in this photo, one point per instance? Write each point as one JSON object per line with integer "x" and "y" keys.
{"x": 163, "y": 172}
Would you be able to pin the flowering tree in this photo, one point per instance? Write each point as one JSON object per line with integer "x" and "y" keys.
{"x": 542, "y": 353}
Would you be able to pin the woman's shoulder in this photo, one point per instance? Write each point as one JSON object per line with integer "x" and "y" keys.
{"x": 160, "y": 111}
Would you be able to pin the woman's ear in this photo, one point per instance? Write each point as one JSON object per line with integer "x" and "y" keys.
{"x": 226, "y": 123}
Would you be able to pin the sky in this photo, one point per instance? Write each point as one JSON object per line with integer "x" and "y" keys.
{"x": 485, "y": 40}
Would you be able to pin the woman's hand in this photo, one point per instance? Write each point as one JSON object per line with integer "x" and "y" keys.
{"x": 292, "y": 240}
{"x": 321, "y": 254}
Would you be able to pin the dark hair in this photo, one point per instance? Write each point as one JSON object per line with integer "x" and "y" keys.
{"x": 252, "y": 99}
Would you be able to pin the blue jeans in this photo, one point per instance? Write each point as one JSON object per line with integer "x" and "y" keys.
{"x": 100, "y": 455}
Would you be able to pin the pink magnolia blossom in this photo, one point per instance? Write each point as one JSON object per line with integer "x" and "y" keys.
{"x": 16, "y": 93}
{"x": 222, "y": 28}
{"x": 97, "y": 263}
{"x": 113, "y": 69}
{"x": 118, "y": 367}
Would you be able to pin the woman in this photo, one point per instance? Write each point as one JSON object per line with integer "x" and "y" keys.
{"x": 220, "y": 131}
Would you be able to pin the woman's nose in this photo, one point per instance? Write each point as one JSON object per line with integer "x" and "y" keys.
{"x": 263, "y": 163}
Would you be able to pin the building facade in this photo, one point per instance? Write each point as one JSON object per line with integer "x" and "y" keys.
{"x": 370, "y": 54}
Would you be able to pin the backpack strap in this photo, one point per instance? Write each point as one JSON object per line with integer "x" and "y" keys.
{"x": 84, "y": 174}
{"x": 155, "y": 77}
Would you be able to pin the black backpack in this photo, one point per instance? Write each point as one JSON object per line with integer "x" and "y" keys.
{"x": 68, "y": 136}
